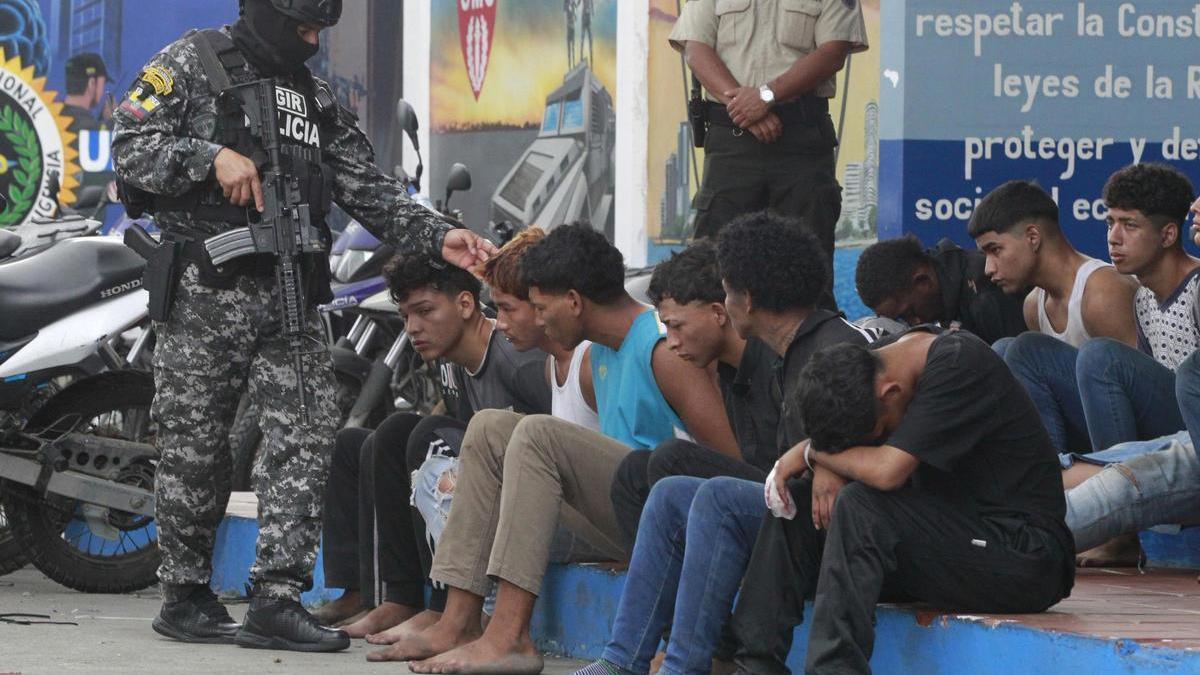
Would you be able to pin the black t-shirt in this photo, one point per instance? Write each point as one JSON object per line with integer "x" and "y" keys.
{"x": 821, "y": 329}
{"x": 752, "y": 402}
{"x": 507, "y": 380}
{"x": 970, "y": 298}
{"x": 979, "y": 438}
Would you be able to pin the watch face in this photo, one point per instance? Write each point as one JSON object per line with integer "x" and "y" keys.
{"x": 766, "y": 94}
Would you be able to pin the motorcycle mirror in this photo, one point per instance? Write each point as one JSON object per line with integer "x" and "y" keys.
{"x": 407, "y": 118}
{"x": 458, "y": 180}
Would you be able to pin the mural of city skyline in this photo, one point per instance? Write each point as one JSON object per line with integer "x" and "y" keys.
{"x": 860, "y": 187}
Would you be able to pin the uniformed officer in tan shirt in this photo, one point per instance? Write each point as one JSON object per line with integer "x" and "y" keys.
{"x": 768, "y": 67}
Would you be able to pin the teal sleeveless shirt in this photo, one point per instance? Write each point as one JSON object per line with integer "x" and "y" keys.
{"x": 631, "y": 406}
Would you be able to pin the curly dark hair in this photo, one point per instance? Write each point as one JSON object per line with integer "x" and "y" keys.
{"x": 405, "y": 274}
{"x": 1011, "y": 204}
{"x": 575, "y": 257}
{"x": 691, "y": 275}
{"x": 1163, "y": 193}
{"x": 886, "y": 268}
{"x": 836, "y": 396}
{"x": 774, "y": 259}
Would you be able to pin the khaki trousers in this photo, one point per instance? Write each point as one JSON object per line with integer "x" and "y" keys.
{"x": 517, "y": 476}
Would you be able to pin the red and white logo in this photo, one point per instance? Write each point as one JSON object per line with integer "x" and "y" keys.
{"x": 476, "y": 27}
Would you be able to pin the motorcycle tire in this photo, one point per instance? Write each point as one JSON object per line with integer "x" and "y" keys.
{"x": 13, "y": 555}
{"x": 61, "y": 542}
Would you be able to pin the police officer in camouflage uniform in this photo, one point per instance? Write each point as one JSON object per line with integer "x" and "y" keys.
{"x": 768, "y": 67}
{"x": 187, "y": 156}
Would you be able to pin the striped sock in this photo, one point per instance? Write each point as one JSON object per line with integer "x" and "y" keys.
{"x": 602, "y": 667}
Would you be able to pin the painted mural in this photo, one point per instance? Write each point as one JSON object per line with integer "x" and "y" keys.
{"x": 676, "y": 167}
{"x": 522, "y": 93}
{"x": 66, "y": 61}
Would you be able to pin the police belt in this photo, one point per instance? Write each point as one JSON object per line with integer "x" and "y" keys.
{"x": 194, "y": 204}
{"x": 804, "y": 111}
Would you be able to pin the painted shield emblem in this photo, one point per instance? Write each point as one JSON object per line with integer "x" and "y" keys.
{"x": 476, "y": 27}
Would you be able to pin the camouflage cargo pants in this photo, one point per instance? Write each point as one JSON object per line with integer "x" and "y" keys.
{"x": 216, "y": 344}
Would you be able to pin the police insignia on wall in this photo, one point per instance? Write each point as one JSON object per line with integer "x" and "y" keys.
{"x": 36, "y": 150}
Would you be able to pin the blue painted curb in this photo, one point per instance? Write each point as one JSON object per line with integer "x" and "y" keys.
{"x": 1181, "y": 550}
{"x": 575, "y": 613}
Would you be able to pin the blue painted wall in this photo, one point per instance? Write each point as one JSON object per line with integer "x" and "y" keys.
{"x": 939, "y": 89}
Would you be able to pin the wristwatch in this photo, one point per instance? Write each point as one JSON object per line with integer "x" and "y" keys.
{"x": 765, "y": 93}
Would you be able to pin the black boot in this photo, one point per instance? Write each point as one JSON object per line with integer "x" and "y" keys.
{"x": 277, "y": 623}
{"x": 192, "y": 613}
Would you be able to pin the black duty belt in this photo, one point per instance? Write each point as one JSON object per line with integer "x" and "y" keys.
{"x": 805, "y": 111}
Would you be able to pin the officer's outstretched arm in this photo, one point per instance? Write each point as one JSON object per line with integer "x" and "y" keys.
{"x": 375, "y": 199}
{"x": 151, "y": 147}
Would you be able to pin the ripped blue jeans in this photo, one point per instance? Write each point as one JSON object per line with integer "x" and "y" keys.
{"x": 1158, "y": 488}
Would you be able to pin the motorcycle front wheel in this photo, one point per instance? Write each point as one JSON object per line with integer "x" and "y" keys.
{"x": 83, "y": 546}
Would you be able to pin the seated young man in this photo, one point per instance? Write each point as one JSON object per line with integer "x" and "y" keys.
{"x": 371, "y": 472}
{"x": 1128, "y": 394}
{"x": 1075, "y": 298}
{"x": 686, "y": 290}
{"x": 788, "y": 330}
{"x": 899, "y": 279}
{"x": 955, "y": 500}
{"x": 518, "y": 473}
{"x": 573, "y": 399}
{"x": 695, "y": 536}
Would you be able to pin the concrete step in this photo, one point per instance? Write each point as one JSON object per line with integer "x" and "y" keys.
{"x": 1117, "y": 621}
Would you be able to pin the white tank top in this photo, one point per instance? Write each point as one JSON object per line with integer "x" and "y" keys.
{"x": 1075, "y": 334}
{"x": 567, "y": 402}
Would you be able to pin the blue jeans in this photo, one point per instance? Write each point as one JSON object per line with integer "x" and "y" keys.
{"x": 1159, "y": 487}
{"x": 1127, "y": 395}
{"x": 1187, "y": 394}
{"x": 1046, "y": 367}
{"x": 693, "y": 544}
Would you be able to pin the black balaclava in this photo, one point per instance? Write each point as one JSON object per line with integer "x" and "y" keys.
{"x": 270, "y": 41}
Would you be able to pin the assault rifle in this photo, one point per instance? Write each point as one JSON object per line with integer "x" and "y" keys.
{"x": 284, "y": 229}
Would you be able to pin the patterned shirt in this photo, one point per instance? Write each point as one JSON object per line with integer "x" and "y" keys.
{"x": 1168, "y": 331}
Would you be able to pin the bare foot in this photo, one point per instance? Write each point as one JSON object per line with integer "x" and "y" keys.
{"x": 382, "y": 617}
{"x": 1122, "y": 551}
{"x": 656, "y": 662}
{"x": 347, "y": 622}
{"x": 414, "y": 625}
{"x": 485, "y": 655}
{"x": 337, "y": 611}
{"x": 439, "y": 638}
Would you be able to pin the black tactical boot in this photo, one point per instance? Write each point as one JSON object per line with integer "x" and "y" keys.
{"x": 192, "y": 613}
{"x": 277, "y": 623}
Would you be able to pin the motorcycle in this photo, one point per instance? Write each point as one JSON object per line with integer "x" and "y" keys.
{"x": 77, "y": 461}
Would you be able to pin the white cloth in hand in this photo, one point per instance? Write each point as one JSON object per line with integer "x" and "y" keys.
{"x": 780, "y": 505}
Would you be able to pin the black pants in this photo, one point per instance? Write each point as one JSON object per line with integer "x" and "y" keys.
{"x": 641, "y": 469}
{"x": 906, "y": 544}
{"x": 794, "y": 177}
{"x": 374, "y": 539}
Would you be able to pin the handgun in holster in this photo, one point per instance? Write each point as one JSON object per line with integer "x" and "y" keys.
{"x": 698, "y": 114}
{"x": 161, "y": 277}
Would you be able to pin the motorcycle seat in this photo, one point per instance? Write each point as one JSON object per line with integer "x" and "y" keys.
{"x": 9, "y": 242}
{"x": 73, "y": 274}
